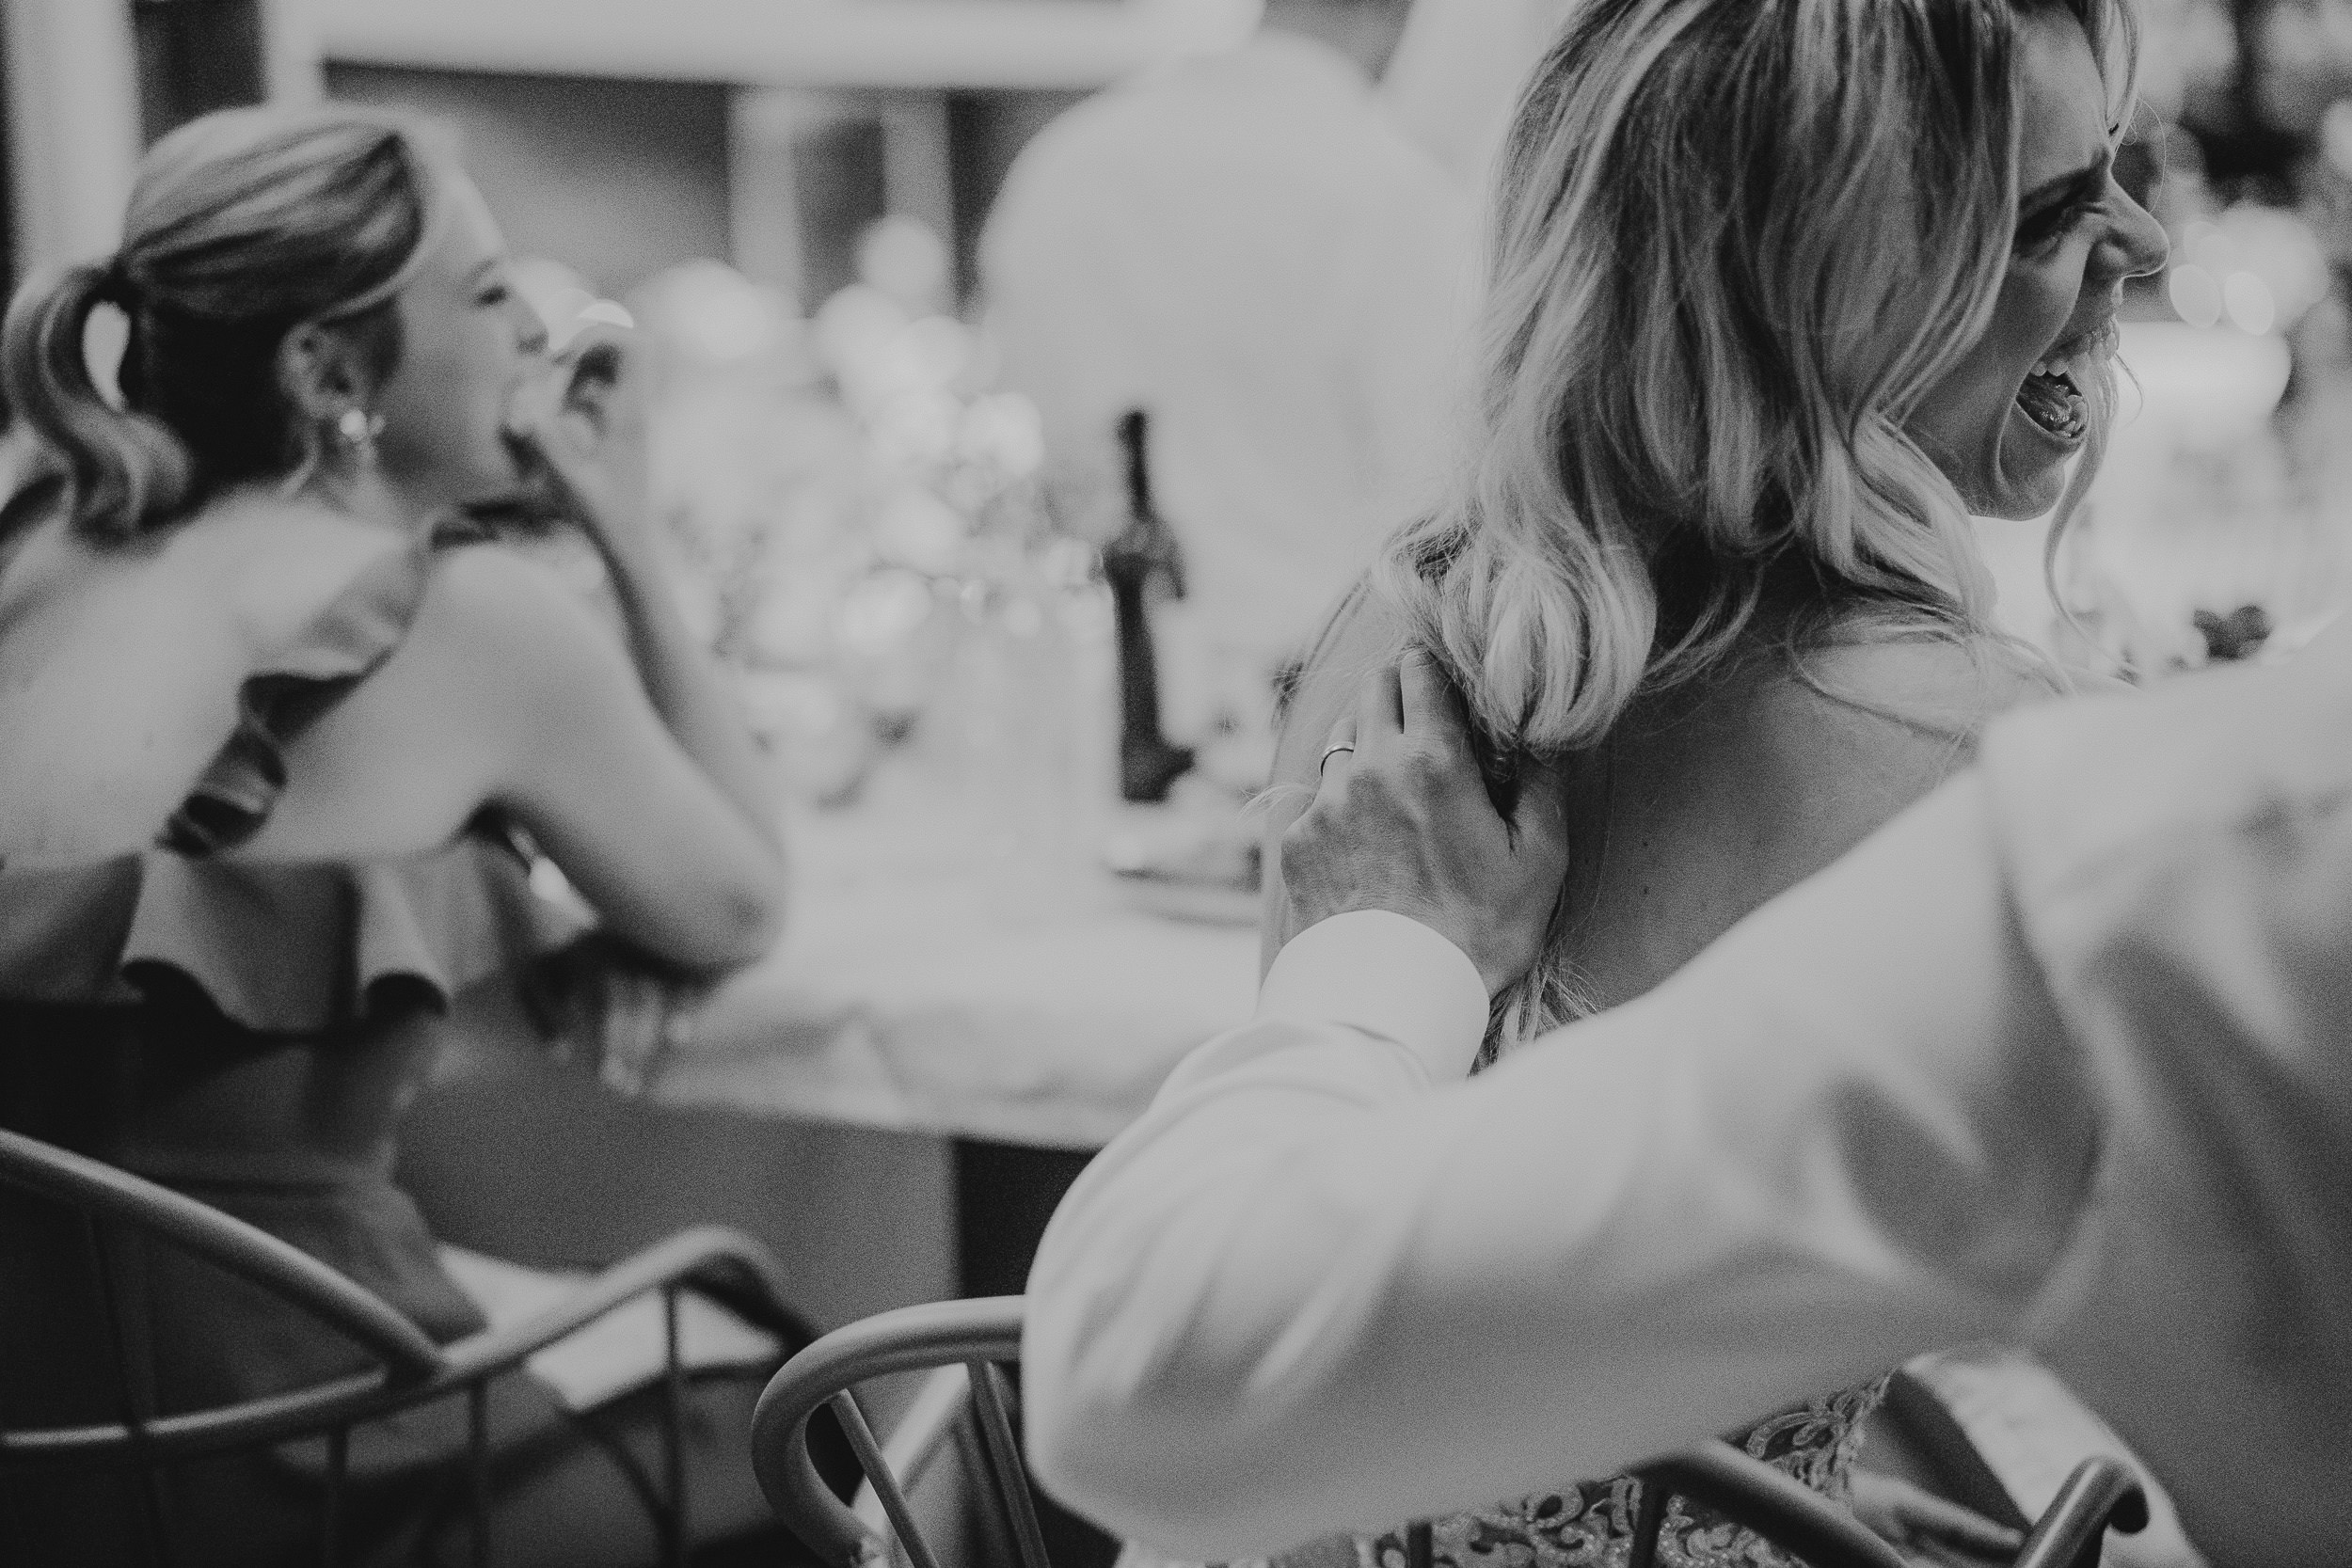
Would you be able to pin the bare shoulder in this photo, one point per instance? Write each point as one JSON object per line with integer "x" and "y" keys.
{"x": 505, "y": 650}
{"x": 1939, "y": 686}
{"x": 506, "y": 616}
{"x": 120, "y": 666}
{"x": 259, "y": 549}
{"x": 499, "y": 674}
{"x": 1812, "y": 754}
{"x": 1800, "y": 757}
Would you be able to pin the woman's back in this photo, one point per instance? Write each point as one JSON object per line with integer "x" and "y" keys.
{"x": 1702, "y": 803}
{"x": 120, "y": 669}
{"x": 161, "y": 707}
{"x": 1705, "y": 804}
{"x": 1698, "y": 807}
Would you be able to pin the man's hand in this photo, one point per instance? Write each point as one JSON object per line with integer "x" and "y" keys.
{"x": 1401, "y": 821}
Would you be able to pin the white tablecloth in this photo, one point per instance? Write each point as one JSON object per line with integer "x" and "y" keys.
{"x": 941, "y": 974}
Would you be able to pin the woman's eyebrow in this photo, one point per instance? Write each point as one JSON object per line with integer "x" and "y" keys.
{"x": 2090, "y": 173}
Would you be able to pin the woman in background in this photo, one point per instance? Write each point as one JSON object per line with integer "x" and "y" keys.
{"x": 1780, "y": 294}
{"x": 268, "y": 710}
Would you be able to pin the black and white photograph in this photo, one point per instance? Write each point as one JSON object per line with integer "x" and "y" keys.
{"x": 1176, "y": 783}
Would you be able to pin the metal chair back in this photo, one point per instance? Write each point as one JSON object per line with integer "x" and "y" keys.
{"x": 981, "y": 1338}
{"x": 410, "y": 1371}
{"x": 2098, "y": 1496}
{"x": 975, "y": 1341}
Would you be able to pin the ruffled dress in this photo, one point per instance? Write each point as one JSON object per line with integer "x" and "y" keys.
{"x": 248, "y": 1033}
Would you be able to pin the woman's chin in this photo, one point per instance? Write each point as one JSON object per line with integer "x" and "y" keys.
{"x": 2027, "y": 473}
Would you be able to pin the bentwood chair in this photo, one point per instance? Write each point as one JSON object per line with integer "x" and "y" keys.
{"x": 954, "y": 1460}
{"x": 411, "y": 1370}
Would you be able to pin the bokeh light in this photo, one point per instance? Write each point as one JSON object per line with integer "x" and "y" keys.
{"x": 2196, "y": 294}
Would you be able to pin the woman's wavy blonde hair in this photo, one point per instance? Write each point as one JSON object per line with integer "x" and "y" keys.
{"x": 1735, "y": 241}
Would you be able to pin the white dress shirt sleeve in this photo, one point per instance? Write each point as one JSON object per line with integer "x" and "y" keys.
{"x": 1326, "y": 1284}
{"x": 1386, "y": 976}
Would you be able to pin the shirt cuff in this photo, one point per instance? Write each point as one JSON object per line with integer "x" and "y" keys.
{"x": 1388, "y": 976}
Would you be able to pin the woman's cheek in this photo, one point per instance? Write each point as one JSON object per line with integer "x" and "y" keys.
{"x": 2054, "y": 287}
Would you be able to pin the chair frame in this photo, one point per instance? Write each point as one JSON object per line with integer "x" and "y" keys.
{"x": 982, "y": 1336}
{"x": 412, "y": 1371}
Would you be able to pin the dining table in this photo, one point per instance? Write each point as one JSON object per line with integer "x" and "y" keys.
{"x": 958, "y": 973}
{"x": 967, "y": 1004}
{"x": 943, "y": 977}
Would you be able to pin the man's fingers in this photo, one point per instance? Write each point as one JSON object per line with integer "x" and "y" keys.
{"x": 600, "y": 352}
{"x": 1380, "y": 715}
{"x": 1540, "y": 819}
{"x": 1339, "y": 750}
{"x": 1434, "y": 715}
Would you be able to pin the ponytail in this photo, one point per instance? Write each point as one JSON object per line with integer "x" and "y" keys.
{"x": 124, "y": 470}
{"x": 242, "y": 224}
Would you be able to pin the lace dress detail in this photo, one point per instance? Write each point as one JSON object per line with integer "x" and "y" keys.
{"x": 1590, "y": 1523}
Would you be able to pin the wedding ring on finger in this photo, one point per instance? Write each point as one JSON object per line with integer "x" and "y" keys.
{"x": 1332, "y": 750}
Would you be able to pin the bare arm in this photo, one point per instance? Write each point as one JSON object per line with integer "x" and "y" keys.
{"x": 506, "y": 692}
{"x": 595, "y": 443}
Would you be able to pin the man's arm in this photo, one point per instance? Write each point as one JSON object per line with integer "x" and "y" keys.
{"x": 1322, "y": 1285}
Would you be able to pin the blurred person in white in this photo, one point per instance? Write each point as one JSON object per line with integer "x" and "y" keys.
{"x": 1249, "y": 248}
{"x": 1457, "y": 73}
{"x": 1779, "y": 296}
{"x": 271, "y": 705}
{"x": 2062, "y": 1055}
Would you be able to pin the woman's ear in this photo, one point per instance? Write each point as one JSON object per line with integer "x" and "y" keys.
{"x": 322, "y": 374}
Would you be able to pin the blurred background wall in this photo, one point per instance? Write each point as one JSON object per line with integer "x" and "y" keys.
{"x": 763, "y": 127}
{"x": 768, "y": 133}
{"x": 618, "y": 136}
{"x": 617, "y": 179}
{"x": 621, "y": 137}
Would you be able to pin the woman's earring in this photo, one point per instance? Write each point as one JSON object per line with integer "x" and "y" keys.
{"x": 358, "y": 428}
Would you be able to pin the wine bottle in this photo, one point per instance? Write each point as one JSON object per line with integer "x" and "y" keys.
{"x": 1143, "y": 557}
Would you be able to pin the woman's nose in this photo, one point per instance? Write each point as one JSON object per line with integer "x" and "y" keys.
{"x": 2137, "y": 244}
{"x": 531, "y": 330}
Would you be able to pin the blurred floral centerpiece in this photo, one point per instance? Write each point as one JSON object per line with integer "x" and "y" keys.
{"x": 838, "y": 489}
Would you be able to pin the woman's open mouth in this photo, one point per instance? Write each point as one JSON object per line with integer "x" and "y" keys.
{"x": 2052, "y": 402}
